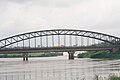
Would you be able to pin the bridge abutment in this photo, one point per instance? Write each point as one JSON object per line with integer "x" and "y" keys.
{"x": 114, "y": 50}
{"x": 25, "y": 56}
{"x": 71, "y": 55}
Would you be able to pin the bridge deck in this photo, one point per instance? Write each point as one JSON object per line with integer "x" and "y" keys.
{"x": 54, "y": 49}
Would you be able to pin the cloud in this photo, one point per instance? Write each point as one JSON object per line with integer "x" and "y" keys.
{"x": 47, "y": 3}
{"x": 17, "y": 16}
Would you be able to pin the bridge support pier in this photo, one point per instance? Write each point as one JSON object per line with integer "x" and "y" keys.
{"x": 25, "y": 56}
{"x": 71, "y": 55}
{"x": 114, "y": 50}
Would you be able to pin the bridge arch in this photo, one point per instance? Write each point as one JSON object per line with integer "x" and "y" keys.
{"x": 90, "y": 34}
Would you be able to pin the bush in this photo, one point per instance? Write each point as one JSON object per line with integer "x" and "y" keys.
{"x": 99, "y": 54}
{"x": 110, "y": 77}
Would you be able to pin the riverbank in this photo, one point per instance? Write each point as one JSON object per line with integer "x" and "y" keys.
{"x": 50, "y": 54}
{"x": 110, "y": 77}
{"x": 100, "y": 54}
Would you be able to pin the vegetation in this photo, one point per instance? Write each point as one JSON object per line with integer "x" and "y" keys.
{"x": 47, "y": 54}
{"x": 10, "y": 55}
{"x": 110, "y": 77}
{"x": 99, "y": 54}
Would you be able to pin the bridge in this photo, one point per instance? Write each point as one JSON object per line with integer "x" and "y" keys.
{"x": 58, "y": 40}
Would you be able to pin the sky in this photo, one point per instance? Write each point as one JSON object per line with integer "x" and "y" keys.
{"x": 20, "y": 16}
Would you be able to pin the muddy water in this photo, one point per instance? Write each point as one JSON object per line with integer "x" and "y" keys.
{"x": 56, "y": 68}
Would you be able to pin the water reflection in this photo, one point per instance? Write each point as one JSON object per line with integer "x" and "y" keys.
{"x": 56, "y": 68}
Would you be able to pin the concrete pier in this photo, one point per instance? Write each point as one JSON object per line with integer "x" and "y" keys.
{"x": 114, "y": 50}
{"x": 25, "y": 56}
{"x": 71, "y": 55}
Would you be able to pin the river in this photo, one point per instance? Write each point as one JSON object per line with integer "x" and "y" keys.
{"x": 56, "y": 68}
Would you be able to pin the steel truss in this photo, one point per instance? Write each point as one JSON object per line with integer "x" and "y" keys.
{"x": 90, "y": 34}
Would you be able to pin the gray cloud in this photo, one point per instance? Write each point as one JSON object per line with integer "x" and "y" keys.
{"x": 17, "y": 1}
{"x": 47, "y": 3}
{"x": 17, "y": 16}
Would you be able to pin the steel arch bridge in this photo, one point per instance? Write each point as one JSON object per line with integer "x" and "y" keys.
{"x": 58, "y": 40}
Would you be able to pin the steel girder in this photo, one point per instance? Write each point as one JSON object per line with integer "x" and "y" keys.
{"x": 90, "y": 34}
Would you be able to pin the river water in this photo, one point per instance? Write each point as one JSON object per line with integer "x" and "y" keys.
{"x": 56, "y": 68}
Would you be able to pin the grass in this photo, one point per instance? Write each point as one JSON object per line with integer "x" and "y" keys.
{"x": 110, "y": 77}
{"x": 114, "y": 77}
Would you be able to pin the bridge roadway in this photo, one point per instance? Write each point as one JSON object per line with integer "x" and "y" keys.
{"x": 55, "y": 49}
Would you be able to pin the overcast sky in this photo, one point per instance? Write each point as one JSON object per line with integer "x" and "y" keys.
{"x": 19, "y": 16}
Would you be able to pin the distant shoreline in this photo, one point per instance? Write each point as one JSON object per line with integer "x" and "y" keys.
{"x": 30, "y": 55}
{"x": 100, "y": 54}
